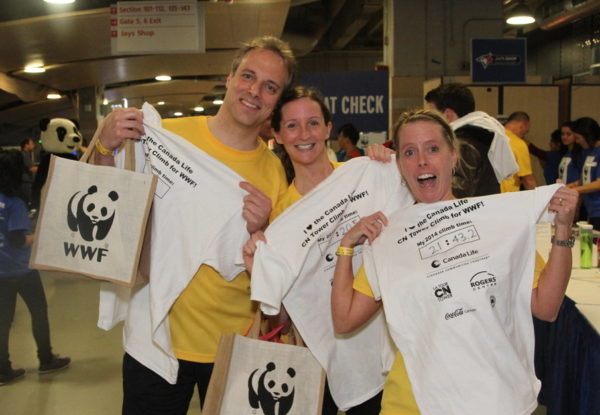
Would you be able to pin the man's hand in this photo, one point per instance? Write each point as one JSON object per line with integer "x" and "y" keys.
{"x": 257, "y": 208}
{"x": 121, "y": 124}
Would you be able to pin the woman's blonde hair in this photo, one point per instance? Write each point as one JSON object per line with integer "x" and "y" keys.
{"x": 424, "y": 115}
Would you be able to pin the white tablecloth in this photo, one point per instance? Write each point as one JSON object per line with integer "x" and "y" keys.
{"x": 584, "y": 289}
{"x": 584, "y": 286}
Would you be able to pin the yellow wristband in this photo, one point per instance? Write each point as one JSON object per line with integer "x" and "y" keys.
{"x": 103, "y": 150}
{"x": 345, "y": 251}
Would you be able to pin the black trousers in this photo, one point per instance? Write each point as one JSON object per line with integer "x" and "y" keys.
{"x": 29, "y": 287}
{"x": 369, "y": 407}
{"x": 146, "y": 393}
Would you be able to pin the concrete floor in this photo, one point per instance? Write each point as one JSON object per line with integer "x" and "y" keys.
{"x": 92, "y": 384}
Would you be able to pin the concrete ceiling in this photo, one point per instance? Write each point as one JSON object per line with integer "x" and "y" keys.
{"x": 73, "y": 44}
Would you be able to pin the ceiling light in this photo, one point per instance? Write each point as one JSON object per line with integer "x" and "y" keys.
{"x": 217, "y": 101}
{"x": 60, "y": 1}
{"x": 160, "y": 103}
{"x": 520, "y": 15}
{"x": 34, "y": 69}
{"x": 53, "y": 95}
{"x": 198, "y": 109}
{"x": 178, "y": 114}
{"x": 163, "y": 78}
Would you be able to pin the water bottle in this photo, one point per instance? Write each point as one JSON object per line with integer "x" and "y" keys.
{"x": 586, "y": 246}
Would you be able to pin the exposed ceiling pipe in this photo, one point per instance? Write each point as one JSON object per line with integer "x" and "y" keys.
{"x": 570, "y": 14}
{"x": 351, "y": 20}
{"x": 25, "y": 90}
{"x": 303, "y": 43}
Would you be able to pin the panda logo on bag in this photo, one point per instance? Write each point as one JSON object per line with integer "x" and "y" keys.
{"x": 92, "y": 213}
{"x": 273, "y": 391}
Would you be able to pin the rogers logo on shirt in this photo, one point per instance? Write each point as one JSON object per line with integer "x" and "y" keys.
{"x": 482, "y": 279}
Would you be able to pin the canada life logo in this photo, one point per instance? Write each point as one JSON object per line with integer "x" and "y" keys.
{"x": 90, "y": 213}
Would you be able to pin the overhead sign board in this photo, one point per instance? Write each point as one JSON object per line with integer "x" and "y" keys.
{"x": 499, "y": 60}
{"x": 141, "y": 27}
{"x": 360, "y": 98}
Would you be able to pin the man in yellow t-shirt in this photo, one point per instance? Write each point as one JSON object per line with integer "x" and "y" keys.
{"x": 517, "y": 126}
{"x": 209, "y": 306}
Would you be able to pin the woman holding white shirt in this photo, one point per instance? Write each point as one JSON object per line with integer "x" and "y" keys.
{"x": 426, "y": 157}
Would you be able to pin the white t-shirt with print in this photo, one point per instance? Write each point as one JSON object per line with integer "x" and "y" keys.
{"x": 296, "y": 267}
{"x": 189, "y": 227}
{"x": 455, "y": 279}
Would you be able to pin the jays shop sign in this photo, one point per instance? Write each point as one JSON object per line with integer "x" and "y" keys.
{"x": 172, "y": 26}
{"x": 499, "y": 60}
{"x": 360, "y": 98}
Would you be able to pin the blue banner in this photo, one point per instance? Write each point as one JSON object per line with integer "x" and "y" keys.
{"x": 499, "y": 60}
{"x": 360, "y": 98}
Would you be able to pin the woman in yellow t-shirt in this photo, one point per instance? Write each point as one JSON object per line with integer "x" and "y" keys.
{"x": 302, "y": 124}
{"x": 426, "y": 154}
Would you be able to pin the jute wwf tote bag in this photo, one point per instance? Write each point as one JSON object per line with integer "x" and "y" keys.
{"x": 92, "y": 219}
{"x": 258, "y": 377}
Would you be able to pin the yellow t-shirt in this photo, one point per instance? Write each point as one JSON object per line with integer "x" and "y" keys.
{"x": 521, "y": 152}
{"x": 210, "y": 306}
{"x": 398, "y": 398}
{"x": 291, "y": 196}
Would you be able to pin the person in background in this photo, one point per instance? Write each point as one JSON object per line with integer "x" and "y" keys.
{"x": 549, "y": 159}
{"x": 425, "y": 143}
{"x": 15, "y": 275}
{"x": 587, "y": 135}
{"x": 571, "y": 162}
{"x": 27, "y": 151}
{"x": 485, "y": 155}
{"x": 517, "y": 127}
{"x": 208, "y": 306}
{"x": 348, "y": 137}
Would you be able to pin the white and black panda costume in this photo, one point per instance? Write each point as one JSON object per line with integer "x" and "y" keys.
{"x": 60, "y": 137}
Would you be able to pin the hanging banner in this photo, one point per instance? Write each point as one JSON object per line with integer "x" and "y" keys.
{"x": 499, "y": 60}
{"x": 360, "y": 98}
{"x": 141, "y": 27}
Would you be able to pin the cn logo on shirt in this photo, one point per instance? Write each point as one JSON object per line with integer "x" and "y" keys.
{"x": 442, "y": 291}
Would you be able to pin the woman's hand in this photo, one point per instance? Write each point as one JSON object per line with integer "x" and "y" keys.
{"x": 380, "y": 153}
{"x": 564, "y": 203}
{"x": 250, "y": 248}
{"x": 367, "y": 228}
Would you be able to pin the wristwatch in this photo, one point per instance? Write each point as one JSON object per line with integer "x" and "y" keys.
{"x": 563, "y": 242}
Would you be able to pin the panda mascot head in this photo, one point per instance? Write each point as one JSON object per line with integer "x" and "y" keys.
{"x": 60, "y": 135}
{"x": 272, "y": 391}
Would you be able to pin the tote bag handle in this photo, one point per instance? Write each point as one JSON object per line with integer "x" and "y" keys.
{"x": 254, "y": 331}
